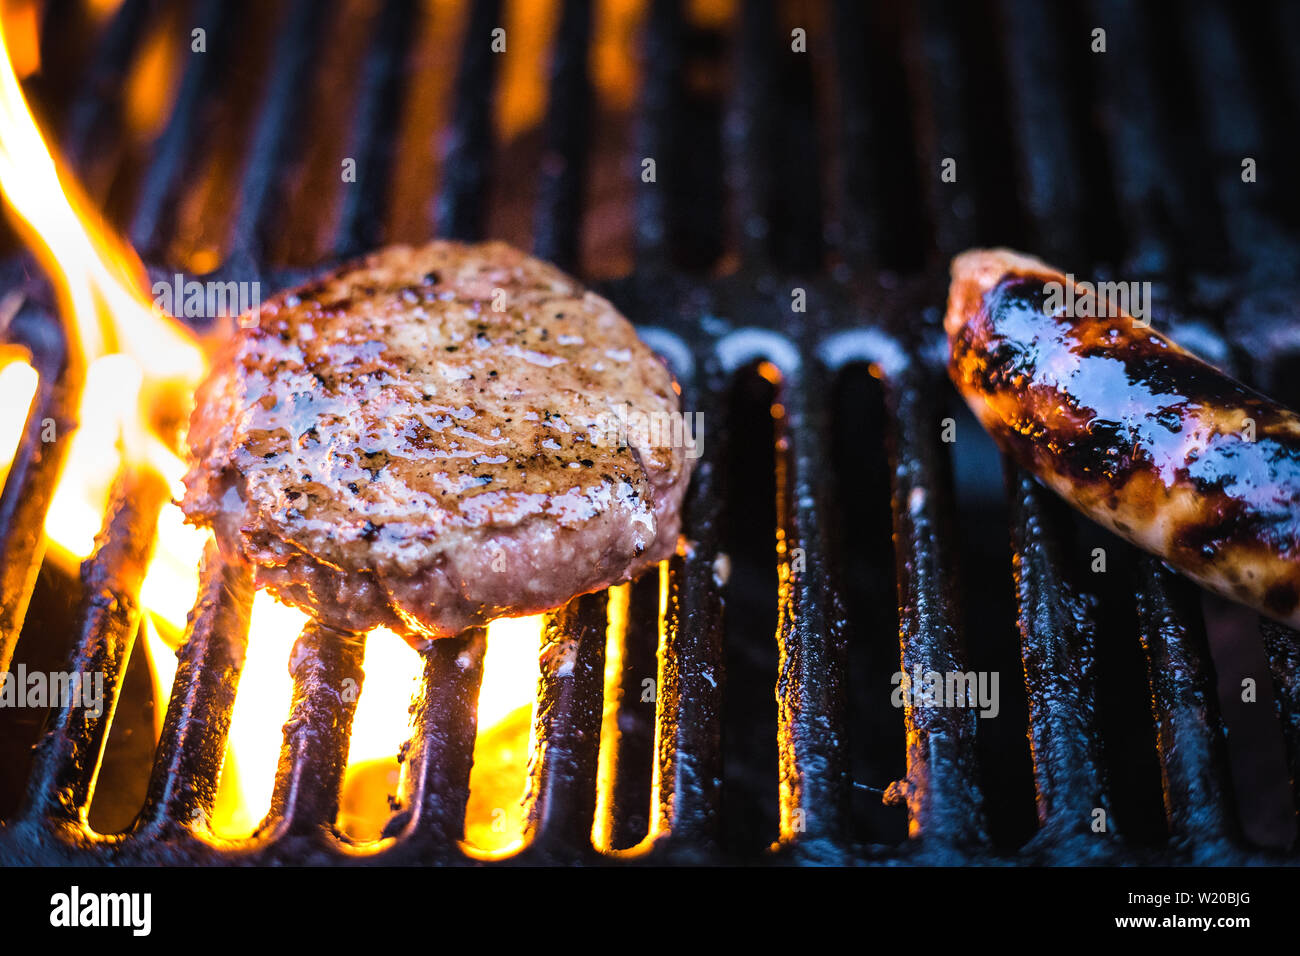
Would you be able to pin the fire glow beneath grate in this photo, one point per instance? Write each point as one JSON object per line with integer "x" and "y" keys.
{"x": 381, "y": 725}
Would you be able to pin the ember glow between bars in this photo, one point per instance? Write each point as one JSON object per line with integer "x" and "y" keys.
{"x": 141, "y": 368}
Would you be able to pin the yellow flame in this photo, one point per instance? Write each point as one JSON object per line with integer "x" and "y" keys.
{"x": 148, "y": 89}
{"x": 494, "y": 818}
{"x": 261, "y": 707}
{"x": 162, "y": 668}
{"x": 21, "y": 21}
{"x": 615, "y": 635}
{"x": 135, "y": 353}
{"x": 17, "y": 388}
{"x": 129, "y": 346}
{"x": 101, "y": 278}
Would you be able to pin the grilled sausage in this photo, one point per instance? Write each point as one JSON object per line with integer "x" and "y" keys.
{"x": 1143, "y": 437}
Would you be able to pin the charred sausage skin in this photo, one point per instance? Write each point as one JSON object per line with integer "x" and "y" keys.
{"x": 1139, "y": 434}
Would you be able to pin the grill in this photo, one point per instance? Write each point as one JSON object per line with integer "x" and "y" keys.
{"x": 788, "y": 261}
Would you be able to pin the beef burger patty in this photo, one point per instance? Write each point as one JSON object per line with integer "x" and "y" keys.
{"x": 429, "y": 438}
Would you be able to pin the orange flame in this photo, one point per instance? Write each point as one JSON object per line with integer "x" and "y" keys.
{"x": 137, "y": 357}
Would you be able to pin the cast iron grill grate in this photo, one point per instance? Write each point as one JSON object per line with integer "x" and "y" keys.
{"x": 815, "y": 172}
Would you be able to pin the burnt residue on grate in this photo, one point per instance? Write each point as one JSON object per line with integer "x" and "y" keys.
{"x": 788, "y": 186}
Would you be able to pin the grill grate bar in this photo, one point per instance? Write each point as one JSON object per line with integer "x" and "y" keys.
{"x": 1057, "y": 647}
{"x": 688, "y": 718}
{"x": 461, "y": 208}
{"x": 938, "y": 88}
{"x": 88, "y": 126}
{"x": 1282, "y": 646}
{"x": 1234, "y": 130}
{"x": 180, "y": 146}
{"x": 859, "y": 215}
{"x": 814, "y": 773}
{"x": 327, "y": 679}
{"x": 68, "y": 755}
{"x": 34, "y": 471}
{"x": 558, "y": 219}
{"x": 1148, "y": 181}
{"x": 210, "y": 660}
{"x": 748, "y": 134}
{"x": 945, "y": 806}
{"x": 690, "y": 675}
{"x": 661, "y": 97}
{"x": 436, "y": 763}
{"x": 560, "y": 800}
{"x": 1047, "y": 149}
{"x": 275, "y": 143}
{"x": 374, "y": 137}
{"x": 1190, "y": 736}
